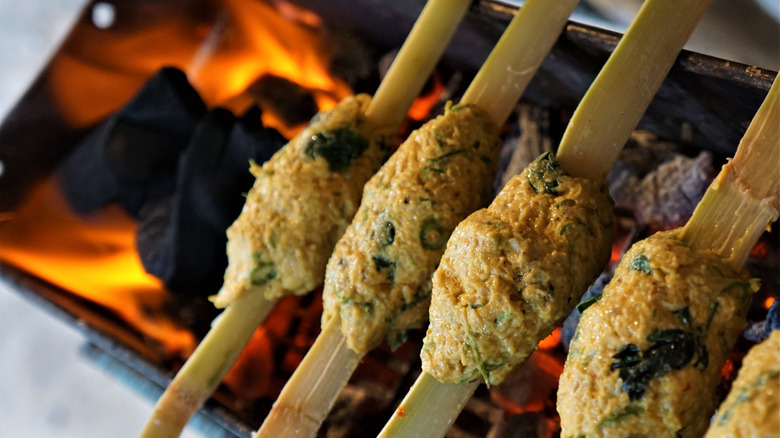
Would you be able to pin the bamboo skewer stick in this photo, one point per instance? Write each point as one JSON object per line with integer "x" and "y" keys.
{"x": 745, "y": 197}
{"x": 427, "y": 40}
{"x": 302, "y": 406}
{"x": 598, "y": 130}
{"x": 307, "y": 409}
{"x": 231, "y": 331}
{"x": 198, "y": 379}
{"x": 619, "y": 96}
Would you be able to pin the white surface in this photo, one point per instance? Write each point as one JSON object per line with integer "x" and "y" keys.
{"x": 48, "y": 389}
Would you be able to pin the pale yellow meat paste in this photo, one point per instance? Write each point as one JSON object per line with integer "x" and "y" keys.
{"x": 646, "y": 357}
{"x": 752, "y": 408}
{"x": 378, "y": 278}
{"x": 512, "y": 272}
{"x": 302, "y": 200}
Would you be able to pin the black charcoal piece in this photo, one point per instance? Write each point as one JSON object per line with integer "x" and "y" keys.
{"x": 181, "y": 238}
{"x": 132, "y": 156}
{"x": 293, "y": 104}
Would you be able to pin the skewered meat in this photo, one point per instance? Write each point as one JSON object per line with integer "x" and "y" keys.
{"x": 378, "y": 279}
{"x": 315, "y": 181}
{"x": 646, "y": 357}
{"x": 751, "y": 409}
{"x": 513, "y": 271}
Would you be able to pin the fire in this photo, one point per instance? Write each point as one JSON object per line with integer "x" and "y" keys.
{"x": 95, "y": 257}
{"x": 262, "y": 41}
{"x": 423, "y": 105}
{"x": 98, "y": 70}
{"x": 532, "y": 386}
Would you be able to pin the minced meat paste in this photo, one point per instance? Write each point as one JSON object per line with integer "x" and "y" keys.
{"x": 752, "y": 408}
{"x": 646, "y": 357}
{"x": 302, "y": 201}
{"x": 378, "y": 279}
{"x": 513, "y": 271}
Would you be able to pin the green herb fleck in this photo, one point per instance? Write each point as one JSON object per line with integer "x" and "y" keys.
{"x": 742, "y": 291}
{"x": 340, "y": 147}
{"x": 444, "y": 156}
{"x": 263, "y": 272}
{"x": 584, "y": 304}
{"x": 671, "y": 349}
{"x": 433, "y": 169}
{"x": 640, "y": 263}
{"x": 480, "y": 365}
{"x": 386, "y": 234}
{"x": 432, "y": 234}
{"x": 501, "y": 318}
{"x": 629, "y": 411}
{"x": 475, "y": 306}
{"x": 545, "y": 173}
{"x": 382, "y": 264}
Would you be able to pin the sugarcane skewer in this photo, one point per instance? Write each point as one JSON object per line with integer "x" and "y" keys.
{"x": 308, "y": 410}
{"x": 653, "y": 370}
{"x": 491, "y": 97}
{"x": 588, "y": 149}
{"x": 198, "y": 379}
{"x": 258, "y": 275}
{"x": 435, "y": 26}
{"x": 745, "y": 197}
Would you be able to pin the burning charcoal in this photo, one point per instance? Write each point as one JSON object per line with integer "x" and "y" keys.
{"x": 666, "y": 196}
{"x": 181, "y": 238}
{"x": 290, "y": 102}
{"x": 529, "y": 138}
{"x": 132, "y": 156}
{"x": 525, "y": 425}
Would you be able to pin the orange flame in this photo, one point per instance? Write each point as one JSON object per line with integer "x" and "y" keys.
{"x": 424, "y": 104}
{"x": 261, "y": 41}
{"x": 95, "y": 257}
{"x": 98, "y": 70}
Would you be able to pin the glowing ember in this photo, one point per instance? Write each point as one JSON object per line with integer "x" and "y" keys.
{"x": 552, "y": 340}
{"x": 760, "y": 250}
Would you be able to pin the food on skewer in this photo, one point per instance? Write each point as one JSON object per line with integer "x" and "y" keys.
{"x": 302, "y": 201}
{"x": 513, "y": 271}
{"x": 378, "y": 278}
{"x": 752, "y": 406}
{"x": 377, "y": 283}
{"x": 643, "y": 355}
{"x": 646, "y": 357}
{"x": 315, "y": 180}
{"x": 517, "y": 266}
